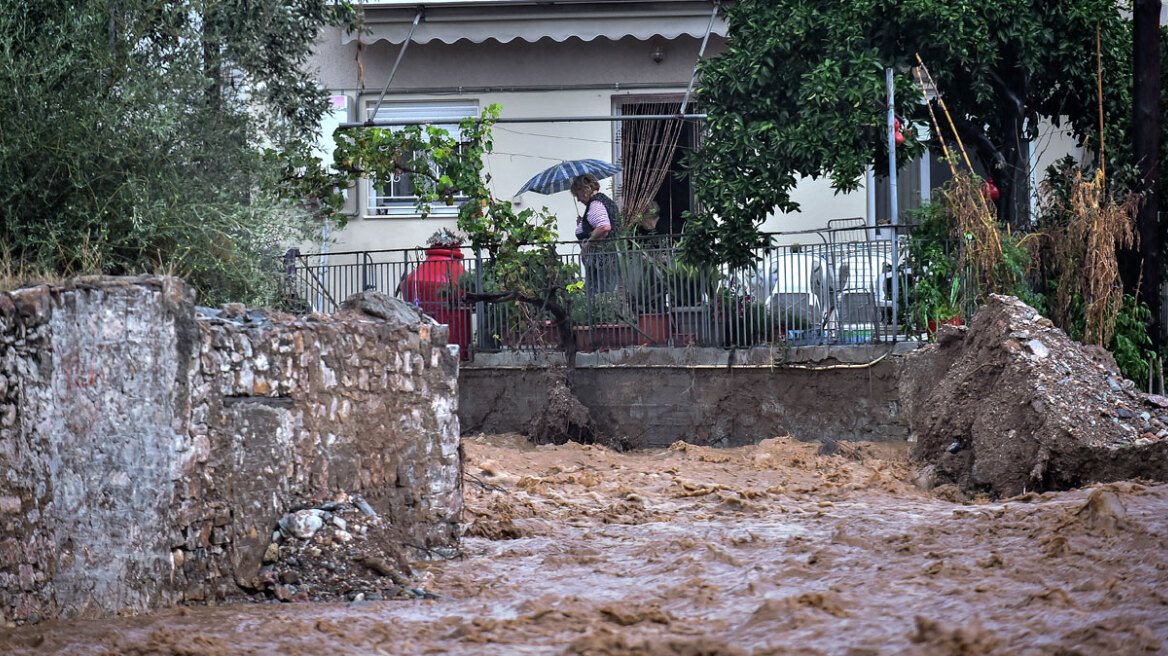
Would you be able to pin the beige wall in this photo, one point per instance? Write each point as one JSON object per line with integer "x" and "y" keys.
{"x": 493, "y": 72}
{"x": 521, "y": 151}
{"x": 1051, "y": 145}
{"x": 818, "y": 204}
{"x": 527, "y": 80}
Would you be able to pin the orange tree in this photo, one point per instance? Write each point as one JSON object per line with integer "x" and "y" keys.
{"x": 800, "y": 92}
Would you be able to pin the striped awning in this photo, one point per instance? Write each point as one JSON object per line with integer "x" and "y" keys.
{"x": 508, "y": 20}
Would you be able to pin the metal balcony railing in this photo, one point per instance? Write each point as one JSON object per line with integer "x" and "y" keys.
{"x": 638, "y": 292}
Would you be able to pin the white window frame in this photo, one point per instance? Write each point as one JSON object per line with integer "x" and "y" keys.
{"x": 400, "y": 202}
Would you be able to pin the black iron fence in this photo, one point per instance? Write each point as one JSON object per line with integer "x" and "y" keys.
{"x": 841, "y": 288}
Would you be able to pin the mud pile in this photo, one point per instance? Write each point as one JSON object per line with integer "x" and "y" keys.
{"x": 1011, "y": 404}
{"x": 335, "y": 547}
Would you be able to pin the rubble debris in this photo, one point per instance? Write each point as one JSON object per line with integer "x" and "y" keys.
{"x": 1010, "y": 404}
{"x": 335, "y": 548}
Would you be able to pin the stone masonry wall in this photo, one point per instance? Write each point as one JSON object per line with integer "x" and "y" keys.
{"x": 146, "y": 453}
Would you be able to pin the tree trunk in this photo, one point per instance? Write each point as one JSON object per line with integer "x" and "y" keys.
{"x": 1146, "y": 148}
{"x": 1013, "y": 183}
{"x": 1013, "y": 176}
{"x": 1007, "y": 164}
{"x": 564, "y": 418}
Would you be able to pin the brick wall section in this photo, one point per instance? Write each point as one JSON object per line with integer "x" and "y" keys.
{"x": 146, "y": 453}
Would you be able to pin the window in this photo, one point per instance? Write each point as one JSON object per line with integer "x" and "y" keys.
{"x": 396, "y": 197}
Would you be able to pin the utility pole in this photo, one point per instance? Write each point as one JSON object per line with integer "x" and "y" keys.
{"x": 1146, "y": 150}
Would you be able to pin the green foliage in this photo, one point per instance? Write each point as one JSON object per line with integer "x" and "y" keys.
{"x": 1013, "y": 272}
{"x": 134, "y": 132}
{"x": 690, "y": 285}
{"x": 800, "y": 91}
{"x": 744, "y": 321}
{"x": 938, "y": 290}
{"x": 520, "y": 246}
{"x": 450, "y": 171}
{"x": 1130, "y": 343}
{"x": 642, "y": 273}
{"x": 600, "y": 309}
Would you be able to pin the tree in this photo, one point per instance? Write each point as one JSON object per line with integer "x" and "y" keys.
{"x": 136, "y": 135}
{"x": 520, "y": 247}
{"x": 800, "y": 91}
{"x": 1146, "y": 129}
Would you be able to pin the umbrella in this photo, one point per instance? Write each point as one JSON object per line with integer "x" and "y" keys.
{"x": 559, "y": 177}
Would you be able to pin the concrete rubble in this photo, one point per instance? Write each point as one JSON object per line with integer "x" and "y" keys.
{"x": 1010, "y": 404}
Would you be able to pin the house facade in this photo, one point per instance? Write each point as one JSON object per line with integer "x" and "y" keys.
{"x": 546, "y": 62}
{"x": 543, "y": 61}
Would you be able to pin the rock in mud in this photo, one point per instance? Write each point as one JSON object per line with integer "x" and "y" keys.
{"x": 1029, "y": 408}
{"x": 334, "y": 550}
{"x": 302, "y": 523}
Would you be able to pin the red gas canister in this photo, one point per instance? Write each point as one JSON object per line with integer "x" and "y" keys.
{"x": 433, "y": 287}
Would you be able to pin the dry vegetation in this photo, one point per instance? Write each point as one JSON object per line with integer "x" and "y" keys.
{"x": 1080, "y": 252}
{"x": 1073, "y": 255}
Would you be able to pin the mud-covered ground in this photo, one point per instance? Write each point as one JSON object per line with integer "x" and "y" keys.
{"x": 770, "y": 549}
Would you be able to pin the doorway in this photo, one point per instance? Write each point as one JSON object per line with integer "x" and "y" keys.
{"x": 651, "y": 152}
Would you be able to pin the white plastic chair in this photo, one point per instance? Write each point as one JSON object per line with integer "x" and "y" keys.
{"x": 863, "y": 283}
{"x": 797, "y": 288}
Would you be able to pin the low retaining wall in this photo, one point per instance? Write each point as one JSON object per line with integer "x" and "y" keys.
{"x": 146, "y": 454}
{"x": 654, "y": 397}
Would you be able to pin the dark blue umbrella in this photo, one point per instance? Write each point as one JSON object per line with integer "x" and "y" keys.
{"x": 559, "y": 177}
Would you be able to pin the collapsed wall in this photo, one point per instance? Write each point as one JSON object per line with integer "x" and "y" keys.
{"x": 147, "y": 452}
{"x": 1011, "y": 404}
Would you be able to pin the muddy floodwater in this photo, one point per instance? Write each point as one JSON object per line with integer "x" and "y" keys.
{"x": 768, "y": 549}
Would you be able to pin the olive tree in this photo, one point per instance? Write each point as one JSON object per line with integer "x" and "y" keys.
{"x": 135, "y": 135}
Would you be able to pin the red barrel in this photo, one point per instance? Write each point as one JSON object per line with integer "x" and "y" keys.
{"x": 433, "y": 287}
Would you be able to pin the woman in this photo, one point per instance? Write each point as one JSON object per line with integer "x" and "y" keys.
{"x": 598, "y": 224}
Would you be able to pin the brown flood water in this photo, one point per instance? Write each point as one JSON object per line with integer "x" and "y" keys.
{"x": 768, "y": 549}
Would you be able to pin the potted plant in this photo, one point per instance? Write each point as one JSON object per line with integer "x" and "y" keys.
{"x": 743, "y": 321}
{"x": 646, "y": 289}
{"x": 940, "y": 309}
{"x": 691, "y": 292}
{"x": 601, "y": 320}
{"x": 938, "y": 293}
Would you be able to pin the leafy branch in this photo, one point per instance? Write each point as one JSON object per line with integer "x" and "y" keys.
{"x": 449, "y": 169}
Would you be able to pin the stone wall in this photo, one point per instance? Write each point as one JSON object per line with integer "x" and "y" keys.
{"x": 146, "y": 452}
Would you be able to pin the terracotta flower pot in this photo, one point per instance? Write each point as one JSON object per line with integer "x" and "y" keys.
{"x": 654, "y": 326}
{"x": 934, "y": 324}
